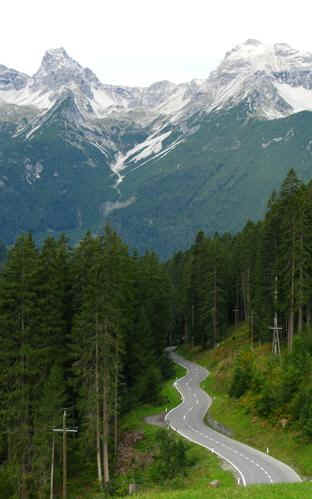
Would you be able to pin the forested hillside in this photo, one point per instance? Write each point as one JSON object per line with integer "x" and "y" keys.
{"x": 85, "y": 329}
{"x": 82, "y": 329}
{"x": 264, "y": 269}
{"x": 262, "y": 276}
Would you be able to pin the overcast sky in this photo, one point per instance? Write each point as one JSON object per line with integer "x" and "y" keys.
{"x": 138, "y": 42}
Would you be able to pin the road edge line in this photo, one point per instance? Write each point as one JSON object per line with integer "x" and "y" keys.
{"x": 194, "y": 441}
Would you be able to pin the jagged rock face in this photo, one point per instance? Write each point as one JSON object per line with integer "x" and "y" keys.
{"x": 265, "y": 76}
{"x": 12, "y": 79}
{"x": 58, "y": 70}
{"x": 256, "y": 56}
{"x": 297, "y": 78}
{"x": 255, "y": 71}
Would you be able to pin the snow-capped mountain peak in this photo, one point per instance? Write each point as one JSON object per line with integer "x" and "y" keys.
{"x": 57, "y": 57}
{"x": 275, "y": 80}
{"x": 257, "y": 56}
{"x": 58, "y": 69}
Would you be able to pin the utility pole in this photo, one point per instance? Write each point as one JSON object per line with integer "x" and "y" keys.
{"x": 276, "y": 349}
{"x": 52, "y": 467}
{"x": 64, "y": 456}
{"x": 63, "y": 430}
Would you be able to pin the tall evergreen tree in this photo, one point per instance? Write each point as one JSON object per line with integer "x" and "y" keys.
{"x": 20, "y": 366}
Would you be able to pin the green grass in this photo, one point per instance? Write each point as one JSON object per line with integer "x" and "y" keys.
{"x": 281, "y": 491}
{"x": 284, "y": 444}
{"x": 206, "y": 466}
{"x": 169, "y": 398}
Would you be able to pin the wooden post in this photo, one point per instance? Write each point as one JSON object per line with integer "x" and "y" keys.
{"x": 63, "y": 430}
{"x": 52, "y": 467}
{"x": 132, "y": 489}
{"x": 64, "y": 456}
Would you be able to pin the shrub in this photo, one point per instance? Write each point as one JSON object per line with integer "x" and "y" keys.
{"x": 242, "y": 376}
{"x": 171, "y": 459}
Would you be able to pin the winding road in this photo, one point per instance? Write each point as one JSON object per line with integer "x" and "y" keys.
{"x": 251, "y": 466}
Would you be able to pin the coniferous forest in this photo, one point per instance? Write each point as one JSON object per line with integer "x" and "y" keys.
{"x": 262, "y": 276}
{"x": 82, "y": 329}
{"x": 85, "y": 329}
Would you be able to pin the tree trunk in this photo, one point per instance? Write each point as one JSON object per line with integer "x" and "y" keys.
{"x": 292, "y": 299}
{"x": 248, "y": 300}
{"x": 215, "y": 304}
{"x": 97, "y": 396}
{"x": 186, "y": 338}
{"x": 308, "y": 314}
{"x": 300, "y": 309}
{"x": 105, "y": 425}
{"x": 300, "y": 318}
{"x": 116, "y": 398}
{"x": 244, "y": 294}
{"x": 106, "y": 384}
{"x": 52, "y": 468}
{"x": 251, "y": 327}
{"x": 24, "y": 412}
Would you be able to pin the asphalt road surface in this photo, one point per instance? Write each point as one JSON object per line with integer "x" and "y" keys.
{"x": 250, "y": 465}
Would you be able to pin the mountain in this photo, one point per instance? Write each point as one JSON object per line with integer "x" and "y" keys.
{"x": 159, "y": 163}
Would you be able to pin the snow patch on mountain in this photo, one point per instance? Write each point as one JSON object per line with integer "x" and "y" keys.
{"x": 151, "y": 145}
{"x": 177, "y": 101}
{"x": 27, "y": 97}
{"x": 286, "y": 138}
{"x": 101, "y": 101}
{"x": 142, "y": 153}
{"x": 299, "y": 98}
{"x": 110, "y": 206}
{"x": 161, "y": 154}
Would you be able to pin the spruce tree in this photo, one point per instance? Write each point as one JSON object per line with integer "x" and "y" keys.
{"x": 20, "y": 365}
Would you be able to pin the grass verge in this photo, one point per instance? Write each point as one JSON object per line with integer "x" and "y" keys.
{"x": 280, "y": 491}
{"x": 205, "y": 466}
{"x": 245, "y": 426}
{"x": 283, "y": 443}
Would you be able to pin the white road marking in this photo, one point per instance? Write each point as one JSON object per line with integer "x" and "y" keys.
{"x": 210, "y": 438}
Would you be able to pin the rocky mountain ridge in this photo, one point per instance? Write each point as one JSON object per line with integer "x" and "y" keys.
{"x": 241, "y": 72}
{"x": 168, "y": 158}
{"x": 274, "y": 82}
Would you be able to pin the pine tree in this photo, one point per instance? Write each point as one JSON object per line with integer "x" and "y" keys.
{"x": 291, "y": 246}
{"x": 19, "y": 362}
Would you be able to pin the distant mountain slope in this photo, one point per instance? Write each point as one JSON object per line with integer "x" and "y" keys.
{"x": 160, "y": 162}
{"x": 216, "y": 180}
